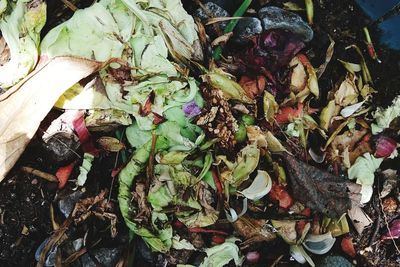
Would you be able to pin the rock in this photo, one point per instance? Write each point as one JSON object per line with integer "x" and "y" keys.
{"x": 108, "y": 257}
{"x": 276, "y": 18}
{"x": 246, "y": 28}
{"x": 228, "y": 5}
{"x": 67, "y": 203}
{"x": 60, "y": 148}
{"x": 332, "y": 261}
{"x": 216, "y": 11}
{"x": 145, "y": 251}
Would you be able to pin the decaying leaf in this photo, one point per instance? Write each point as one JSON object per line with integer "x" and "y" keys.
{"x": 231, "y": 89}
{"x": 328, "y": 57}
{"x": 317, "y": 189}
{"x": 245, "y": 164}
{"x": 37, "y": 92}
{"x": 270, "y": 106}
{"x": 298, "y": 79}
{"x": 110, "y": 144}
{"x": 347, "y": 92}
{"x": 253, "y": 230}
{"x": 286, "y": 229}
{"x": 326, "y": 115}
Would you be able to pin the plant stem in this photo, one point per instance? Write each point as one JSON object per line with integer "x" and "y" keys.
{"x": 231, "y": 25}
{"x": 310, "y": 11}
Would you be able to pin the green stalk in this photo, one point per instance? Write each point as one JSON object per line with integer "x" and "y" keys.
{"x": 231, "y": 25}
{"x": 310, "y": 11}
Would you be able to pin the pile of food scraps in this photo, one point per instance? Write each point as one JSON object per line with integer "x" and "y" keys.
{"x": 220, "y": 144}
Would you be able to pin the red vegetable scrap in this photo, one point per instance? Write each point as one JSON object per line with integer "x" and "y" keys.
{"x": 348, "y": 247}
{"x": 279, "y": 193}
{"x": 145, "y": 109}
{"x": 217, "y": 239}
{"x": 84, "y": 136}
{"x": 286, "y": 114}
{"x": 272, "y": 49}
{"x": 385, "y": 146}
{"x": 302, "y": 223}
{"x": 202, "y": 230}
{"x": 178, "y": 224}
{"x": 394, "y": 231}
{"x": 157, "y": 119}
{"x": 217, "y": 181}
{"x": 63, "y": 174}
{"x": 253, "y": 87}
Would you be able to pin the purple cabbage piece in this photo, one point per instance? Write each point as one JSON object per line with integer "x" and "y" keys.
{"x": 191, "y": 109}
{"x": 394, "y": 230}
{"x": 272, "y": 49}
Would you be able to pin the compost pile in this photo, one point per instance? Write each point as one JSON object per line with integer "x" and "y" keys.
{"x": 222, "y": 133}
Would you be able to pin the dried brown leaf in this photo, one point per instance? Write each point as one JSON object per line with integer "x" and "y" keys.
{"x": 110, "y": 144}
{"x": 24, "y": 106}
{"x": 317, "y": 189}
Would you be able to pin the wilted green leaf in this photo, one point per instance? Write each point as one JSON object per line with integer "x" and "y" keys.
{"x": 21, "y": 32}
{"x": 221, "y": 255}
{"x": 270, "y": 106}
{"x": 364, "y": 171}
{"x": 245, "y": 164}
{"x": 230, "y": 88}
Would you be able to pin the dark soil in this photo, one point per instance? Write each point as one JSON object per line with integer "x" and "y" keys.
{"x": 24, "y": 202}
{"x": 25, "y": 199}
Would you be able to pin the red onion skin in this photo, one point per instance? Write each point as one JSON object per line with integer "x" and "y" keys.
{"x": 252, "y": 257}
{"x": 385, "y": 147}
{"x": 394, "y": 231}
{"x": 218, "y": 239}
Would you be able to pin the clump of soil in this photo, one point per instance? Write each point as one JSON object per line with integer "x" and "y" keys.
{"x": 24, "y": 206}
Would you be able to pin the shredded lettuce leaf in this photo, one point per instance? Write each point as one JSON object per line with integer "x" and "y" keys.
{"x": 384, "y": 117}
{"x": 221, "y": 255}
{"x": 364, "y": 171}
{"x": 21, "y": 31}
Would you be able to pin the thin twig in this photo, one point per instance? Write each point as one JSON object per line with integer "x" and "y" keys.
{"x": 377, "y": 224}
{"x": 70, "y": 5}
{"x": 276, "y": 262}
{"x": 47, "y": 176}
{"x": 115, "y": 166}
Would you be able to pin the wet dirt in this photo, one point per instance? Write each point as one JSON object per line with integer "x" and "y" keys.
{"x": 25, "y": 199}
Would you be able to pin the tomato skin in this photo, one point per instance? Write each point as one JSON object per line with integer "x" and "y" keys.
{"x": 279, "y": 193}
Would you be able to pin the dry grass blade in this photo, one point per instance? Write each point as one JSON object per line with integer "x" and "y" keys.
{"x": 44, "y": 175}
{"x": 222, "y": 39}
{"x": 328, "y": 57}
{"x": 69, "y": 5}
{"x": 221, "y": 19}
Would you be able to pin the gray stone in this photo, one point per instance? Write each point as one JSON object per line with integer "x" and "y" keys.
{"x": 274, "y": 18}
{"x": 67, "y": 203}
{"x": 216, "y": 12}
{"x": 247, "y": 27}
{"x": 108, "y": 257}
{"x": 334, "y": 261}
